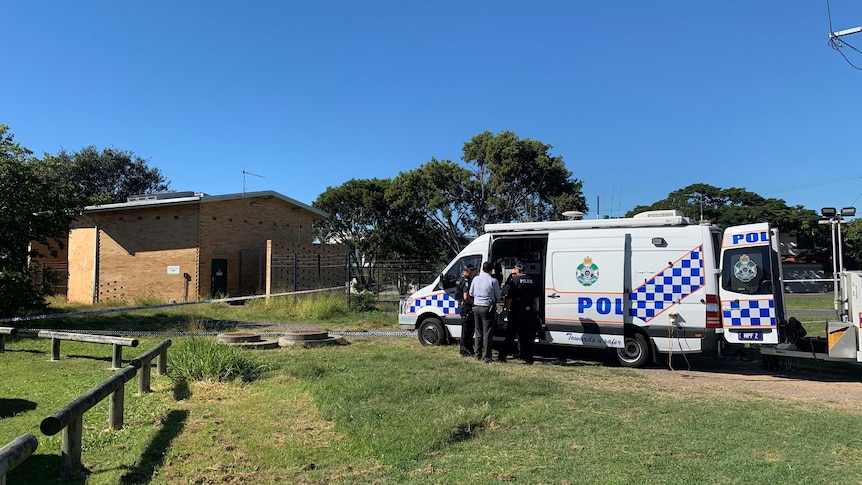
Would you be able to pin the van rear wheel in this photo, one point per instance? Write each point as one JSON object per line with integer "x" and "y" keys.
{"x": 432, "y": 332}
{"x": 635, "y": 351}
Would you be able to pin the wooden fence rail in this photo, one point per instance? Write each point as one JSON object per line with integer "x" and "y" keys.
{"x": 16, "y": 452}
{"x": 117, "y": 342}
{"x": 142, "y": 362}
{"x": 70, "y": 419}
{"x": 4, "y": 331}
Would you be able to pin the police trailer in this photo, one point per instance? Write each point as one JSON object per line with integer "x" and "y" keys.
{"x": 654, "y": 283}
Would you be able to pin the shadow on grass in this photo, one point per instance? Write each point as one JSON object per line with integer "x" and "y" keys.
{"x": 41, "y": 469}
{"x": 25, "y": 351}
{"x": 154, "y": 456}
{"x": 91, "y": 357}
{"x": 15, "y": 406}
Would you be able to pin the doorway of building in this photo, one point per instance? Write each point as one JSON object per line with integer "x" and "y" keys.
{"x": 219, "y": 278}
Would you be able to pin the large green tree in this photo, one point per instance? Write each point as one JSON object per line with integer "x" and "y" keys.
{"x": 37, "y": 204}
{"x": 356, "y": 208}
{"x": 109, "y": 175}
{"x": 519, "y": 180}
{"x": 430, "y": 212}
{"x": 735, "y": 206}
{"x": 440, "y": 196}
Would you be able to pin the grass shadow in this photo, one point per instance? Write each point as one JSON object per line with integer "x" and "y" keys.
{"x": 154, "y": 456}
{"x": 92, "y": 357}
{"x": 12, "y": 407}
{"x": 41, "y": 469}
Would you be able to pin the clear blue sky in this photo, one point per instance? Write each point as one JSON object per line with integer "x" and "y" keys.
{"x": 640, "y": 98}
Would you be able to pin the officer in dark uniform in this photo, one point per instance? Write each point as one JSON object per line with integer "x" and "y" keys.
{"x": 522, "y": 302}
{"x": 465, "y": 308}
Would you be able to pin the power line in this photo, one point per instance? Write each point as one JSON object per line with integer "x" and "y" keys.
{"x": 813, "y": 184}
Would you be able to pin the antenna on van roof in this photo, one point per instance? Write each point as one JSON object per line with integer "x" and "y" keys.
{"x": 573, "y": 215}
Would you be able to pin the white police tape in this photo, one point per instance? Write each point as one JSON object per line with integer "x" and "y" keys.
{"x": 164, "y": 305}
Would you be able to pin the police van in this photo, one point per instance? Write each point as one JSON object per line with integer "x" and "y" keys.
{"x": 654, "y": 283}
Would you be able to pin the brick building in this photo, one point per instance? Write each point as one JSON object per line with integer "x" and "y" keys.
{"x": 182, "y": 246}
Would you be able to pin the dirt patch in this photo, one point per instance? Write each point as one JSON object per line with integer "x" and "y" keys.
{"x": 832, "y": 384}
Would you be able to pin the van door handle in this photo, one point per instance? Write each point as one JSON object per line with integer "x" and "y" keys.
{"x": 553, "y": 295}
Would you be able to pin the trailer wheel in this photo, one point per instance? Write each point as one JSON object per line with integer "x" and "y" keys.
{"x": 432, "y": 332}
{"x": 635, "y": 351}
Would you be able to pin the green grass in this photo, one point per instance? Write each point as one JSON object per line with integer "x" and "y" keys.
{"x": 391, "y": 411}
{"x": 204, "y": 359}
{"x": 816, "y": 301}
{"x": 328, "y": 311}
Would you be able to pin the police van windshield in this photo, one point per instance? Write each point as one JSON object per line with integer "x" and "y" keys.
{"x": 748, "y": 271}
{"x": 454, "y": 271}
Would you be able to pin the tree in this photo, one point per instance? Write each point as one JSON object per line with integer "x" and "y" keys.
{"x": 518, "y": 180}
{"x": 110, "y": 175}
{"x": 735, "y": 206}
{"x": 440, "y": 195}
{"x": 37, "y": 204}
{"x": 851, "y": 232}
{"x": 356, "y": 209}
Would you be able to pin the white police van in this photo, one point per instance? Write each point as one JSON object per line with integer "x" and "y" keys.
{"x": 653, "y": 283}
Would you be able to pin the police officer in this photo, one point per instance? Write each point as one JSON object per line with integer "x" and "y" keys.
{"x": 522, "y": 302}
{"x": 465, "y": 308}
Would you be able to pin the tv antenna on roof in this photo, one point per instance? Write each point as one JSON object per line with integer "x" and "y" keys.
{"x": 244, "y": 173}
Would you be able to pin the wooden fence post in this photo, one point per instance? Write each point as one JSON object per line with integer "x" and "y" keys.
{"x": 70, "y": 448}
{"x": 142, "y": 362}
{"x": 55, "y": 349}
{"x": 4, "y": 331}
{"x": 70, "y": 419}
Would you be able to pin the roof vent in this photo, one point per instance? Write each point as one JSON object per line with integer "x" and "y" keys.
{"x": 659, "y": 214}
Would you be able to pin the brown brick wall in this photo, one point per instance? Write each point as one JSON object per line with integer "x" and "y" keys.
{"x": 137, "y": 246}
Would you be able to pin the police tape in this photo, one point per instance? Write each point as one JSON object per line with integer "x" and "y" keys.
{"x": 164, "y": 305}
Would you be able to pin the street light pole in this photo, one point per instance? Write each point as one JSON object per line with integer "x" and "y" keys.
{"x": 835, "y": 218}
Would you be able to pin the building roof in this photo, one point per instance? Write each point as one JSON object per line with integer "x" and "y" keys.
{"x": 181, "y": 198}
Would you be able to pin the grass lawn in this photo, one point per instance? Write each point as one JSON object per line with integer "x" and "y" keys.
{"x": 390, "y": 411}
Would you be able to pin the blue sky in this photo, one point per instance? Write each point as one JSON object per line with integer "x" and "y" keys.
{"x": 640, "y": 98}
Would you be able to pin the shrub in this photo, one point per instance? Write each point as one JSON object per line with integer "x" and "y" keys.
{"x": 203, "y": 359}
{"x": 363, "y": 302}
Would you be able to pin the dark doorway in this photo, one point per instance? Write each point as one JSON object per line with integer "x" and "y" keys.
{"x": 219, "y": 278}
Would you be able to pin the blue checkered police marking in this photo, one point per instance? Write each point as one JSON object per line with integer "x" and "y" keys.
{"x": 670, "y": 286}
{"x": 444, "y": 301}
{"x": 749, "y": 313}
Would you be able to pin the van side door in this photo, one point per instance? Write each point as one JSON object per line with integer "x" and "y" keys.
{"x": 585, "y": 299}
{"x": 751, "y": 286}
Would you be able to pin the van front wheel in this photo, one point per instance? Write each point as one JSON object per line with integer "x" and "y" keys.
{"x": 635, "y": 351}
{"x": 432, "y": 332}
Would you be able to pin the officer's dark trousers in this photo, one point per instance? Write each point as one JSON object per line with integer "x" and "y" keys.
{"x": 512, "y": 331}
{"x": 525, "y": 323}
{"x": 468, "y": 328}
{"x": 484, "y": 316}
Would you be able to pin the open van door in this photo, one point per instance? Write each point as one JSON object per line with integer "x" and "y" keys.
{"x": 752, "y": 289}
